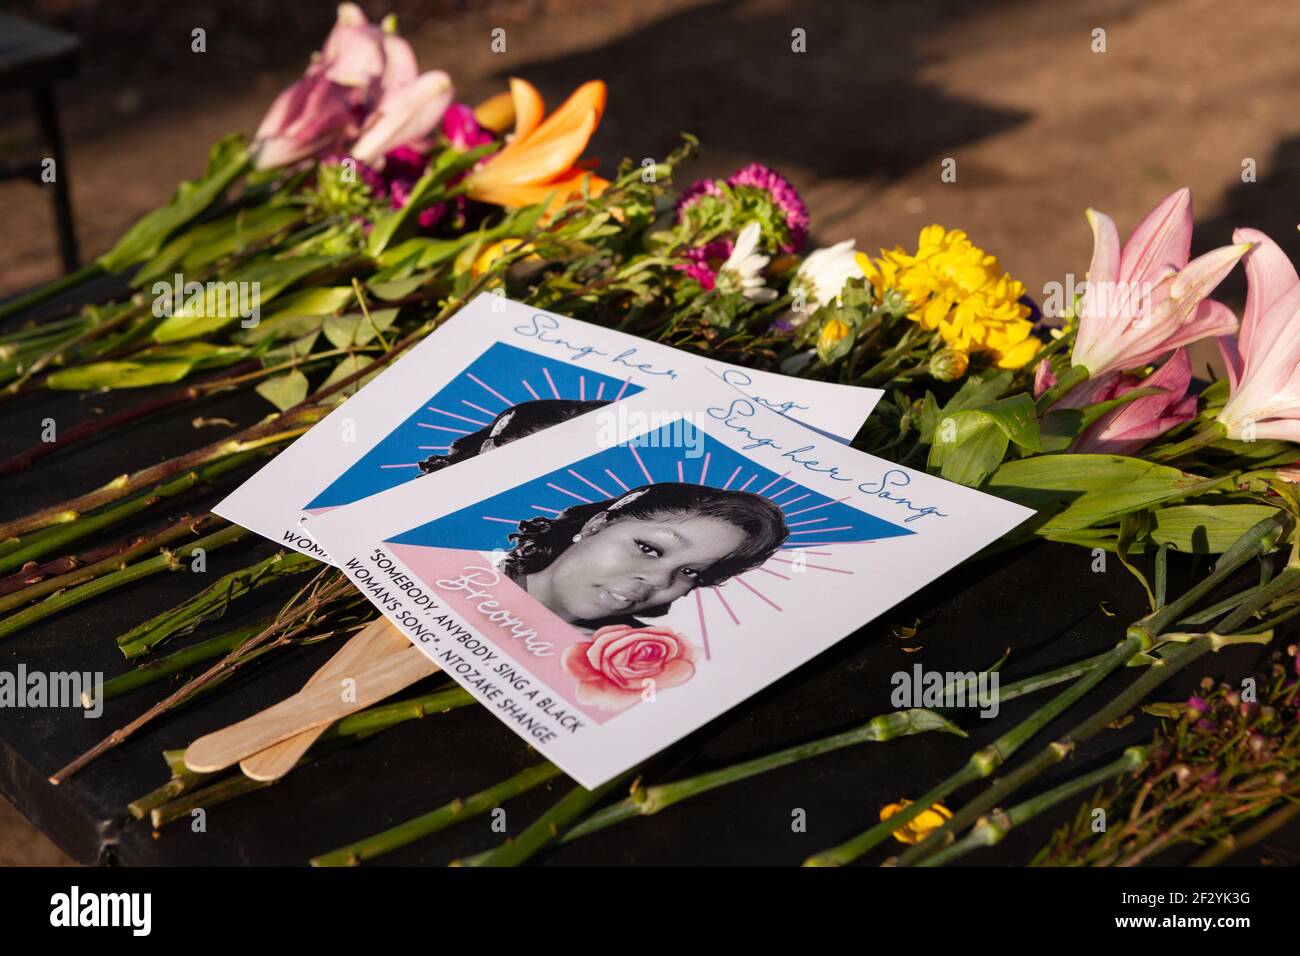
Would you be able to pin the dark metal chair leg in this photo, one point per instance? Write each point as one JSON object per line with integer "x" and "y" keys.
{"x": 47, "y": 118}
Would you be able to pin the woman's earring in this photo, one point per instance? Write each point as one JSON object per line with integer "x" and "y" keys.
{"x": 577, "y": 538}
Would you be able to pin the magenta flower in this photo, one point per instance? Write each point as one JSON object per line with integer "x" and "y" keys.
{"x": 1125, "y": 429}
{"x": 703, "y": 262}
{"x": 1264, "y": 360}
{"x": 784, "y": 196}
{"x": 462, "y": 129}
{"x": 403, "y": 168}
{"x": 1148, "y": 299}
{"x": 691, "y": 195}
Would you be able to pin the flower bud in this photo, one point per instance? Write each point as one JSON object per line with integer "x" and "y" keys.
{"x": 948, "y": 365}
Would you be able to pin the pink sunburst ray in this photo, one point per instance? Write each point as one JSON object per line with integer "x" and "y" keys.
{"x": 463, "y": 418}
{"x": 566, "y": 491}
{"x": 590, "y": 484}
{"x": 478, "y": 381}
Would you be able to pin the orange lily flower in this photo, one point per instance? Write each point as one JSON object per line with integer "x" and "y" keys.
{"x": 542, "y": 157}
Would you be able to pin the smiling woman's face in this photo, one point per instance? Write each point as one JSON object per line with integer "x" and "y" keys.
{"x": 632, "y": 564}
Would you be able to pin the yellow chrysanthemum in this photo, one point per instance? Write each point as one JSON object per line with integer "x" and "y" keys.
{"x": 921, "y": 825}
{"x": 959, "y": 290}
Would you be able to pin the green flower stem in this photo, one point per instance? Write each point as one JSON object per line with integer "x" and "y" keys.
{"x": 154, "y": 671}
{"x": 1077, "y": 375}
{"x": 989, "y": 830}
{"x": 235, "y": 785}
{"x": 77, "y": 526}
{"x": 382, "y": 716}
{"x": 41, "y": 330}
{"x": 48, "y": 291}
{"x": 165, "y": 561}
{"x": 550, "y": 825}
{"x": 1206, "y": 436}
{"x": 439, "y": 819}
{"x": 1171, "y": 663}
{"x": 983, "y": 762}
{"x": 1139, "y": 638}
{"x": 1028, "y": 685}
{"x": 114, "y": 562}
{"x": 270, "y": 433}
{"x": 212, "y": 600}
{"x": 646, "y": 801}
{"x": 101, "y": 425}
{"x": 183, "y": 780}
{"x": 1235, "y": 843}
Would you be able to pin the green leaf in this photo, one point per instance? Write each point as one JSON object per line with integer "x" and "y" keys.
{"x": 970, "y": 450}
{"x": 398, "y": 288}
{"x": 158, "y": 366}
{"x": 1205, "y": 529}
{"x": 973, "y": 393}
{"x": 222, "y": 302}
{"x": 227, "y": 160}
{"x": 205, "y": 244}
{"x": 448, "y": 164}
{"x": 297, "y": 348}
{"x": 1081, "y": 491}
{"x": 355, "y": 328}
{"x": 1017, "y": 419}
{"x": 284, "y": 391}
{"x": 431, "y": 252}
{"x": 349, "y": 366}
{"x": 297, "y": 313}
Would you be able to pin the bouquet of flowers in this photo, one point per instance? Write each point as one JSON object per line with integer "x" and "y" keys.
{"x": 371, "y": 204}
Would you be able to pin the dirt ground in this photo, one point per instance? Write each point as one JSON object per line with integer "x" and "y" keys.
{"x": 1041, "y": 125}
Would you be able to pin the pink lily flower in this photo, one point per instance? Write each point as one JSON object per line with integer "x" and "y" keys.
{"x": 312, "y": 117}
{"x": 1264, "y": 361}
{"x": 362, "y": 94}
{"x": 1125, "y": 429}
{"x": 405, "y": 114}
{"x": 1148, "y": 299}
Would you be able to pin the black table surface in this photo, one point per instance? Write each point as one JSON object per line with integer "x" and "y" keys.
{"x": 1043, "y": 603}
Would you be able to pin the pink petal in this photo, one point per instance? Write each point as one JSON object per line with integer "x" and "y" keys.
{"x": 400, "y": 67}
{"x": 575, "y": 664}
{"x": 1043, "y": 378}
{"x": 1231, "y": 353}
{"x": 1130, "y": 426}
{"x": 1102, "y": 273}
{"x": 1269, "y": 276}
{"x": 1210, "y": 319}
{"x": 403, "y": 115}
{"x": 1163, "y": 238}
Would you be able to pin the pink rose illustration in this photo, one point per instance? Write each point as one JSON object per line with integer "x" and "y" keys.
{"x": 611, "y": 666}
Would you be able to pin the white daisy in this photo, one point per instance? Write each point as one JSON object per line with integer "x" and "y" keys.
{"x": 743, "y": 270}
{"x": 822, "y": 275}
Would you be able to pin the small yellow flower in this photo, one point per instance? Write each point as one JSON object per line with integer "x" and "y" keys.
{"x": 920, "y": 826}
{"x": 833, "y": 332}
{"x": 490, "y": 254}
{"x": 960, "y": 291}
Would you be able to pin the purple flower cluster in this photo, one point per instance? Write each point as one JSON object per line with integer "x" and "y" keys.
{"x": 784, "y": 196}
{"x": 701, "y": 263}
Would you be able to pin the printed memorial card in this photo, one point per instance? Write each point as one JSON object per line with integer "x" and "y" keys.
{"x": 610, "y": 586}
{"x": 495, "y": 372}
